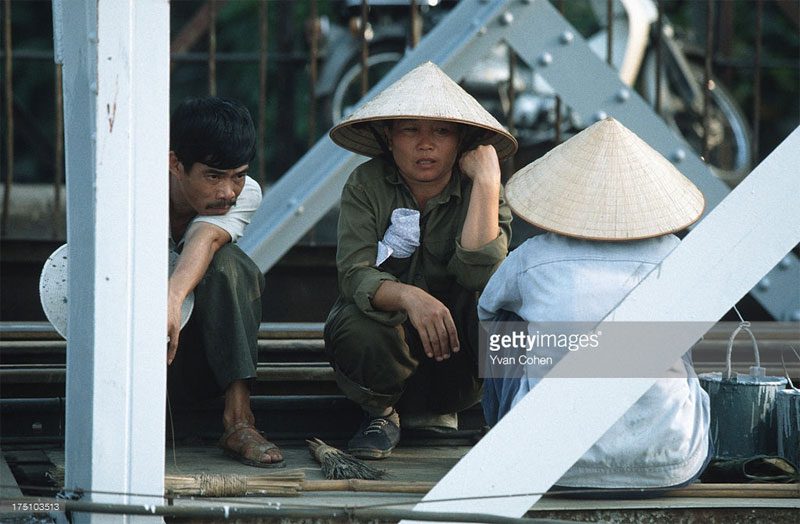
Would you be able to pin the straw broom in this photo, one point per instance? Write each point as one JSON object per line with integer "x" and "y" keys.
{"x": 338, "y": 465}
{"x": 285, "y": 483}
{"x": 231, "y": 485}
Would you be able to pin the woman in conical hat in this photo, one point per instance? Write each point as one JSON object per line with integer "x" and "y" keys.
{"x": 421, "y": 228}
{"x": 610, "y": 205}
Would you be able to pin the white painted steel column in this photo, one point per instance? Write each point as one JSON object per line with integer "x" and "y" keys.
{"x": 744, "y": 237}
{"x": 116, "y": 91}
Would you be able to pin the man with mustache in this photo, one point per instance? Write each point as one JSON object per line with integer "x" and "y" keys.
{"x": 422, "y": 226}
{"x": 211, "y": 200}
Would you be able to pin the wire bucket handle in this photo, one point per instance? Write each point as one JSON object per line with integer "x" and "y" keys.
{"x": 786, "y": 371}
{"x": 755, "y": 371}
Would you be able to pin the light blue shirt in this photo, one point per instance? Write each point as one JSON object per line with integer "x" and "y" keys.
{"x": 663, "y": 439}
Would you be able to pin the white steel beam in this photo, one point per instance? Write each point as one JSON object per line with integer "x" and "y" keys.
{"x": 116, "y": 101}
{"x": 555, "y": 424}
{"x": 556, "y": 51}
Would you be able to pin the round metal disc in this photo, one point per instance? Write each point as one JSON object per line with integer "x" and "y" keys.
{"x": 54, "y": 290}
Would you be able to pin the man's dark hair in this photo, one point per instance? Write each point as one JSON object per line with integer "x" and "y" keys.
{"x": 216, "y": 131}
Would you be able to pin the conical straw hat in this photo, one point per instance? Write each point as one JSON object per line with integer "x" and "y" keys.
{"x": 605, "y": 183}
{"x": 425, "y": 92}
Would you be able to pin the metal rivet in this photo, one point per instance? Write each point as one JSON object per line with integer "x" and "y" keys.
{"x": 679, "y": 155}
{"x": 482, "y": 31}
{"x": 545, "y": 59}
{"x": 93, "y": 87}
{"x": 764, "y": 284}
{"x": 567, "y": 37}
{"x": 506, "y": 18}
{"x": 623, "y": 94}
{"x": 786, "y": 262}
{"x": 600, "y": 115}
{"x": 300, "y": 210}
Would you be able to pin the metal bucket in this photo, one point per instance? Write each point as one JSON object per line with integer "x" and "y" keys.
{"x": 743, "y": 415}
{"x": 787, "y": 407}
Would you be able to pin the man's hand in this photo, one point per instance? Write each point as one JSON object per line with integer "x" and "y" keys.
{"x": 429, "y": 316}
{"x": 173, "y": 326}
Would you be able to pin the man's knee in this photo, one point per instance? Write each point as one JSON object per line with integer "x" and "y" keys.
{"x": 231, "y": 267}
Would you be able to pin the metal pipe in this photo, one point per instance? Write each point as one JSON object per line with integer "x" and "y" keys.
{"x": 194, "y": 29}
{"x": 277, "y": 510}
{"x": 659, "y": 58}
{"x": 757, "y": 80}
{"x": 59, "y": 160}
{"x": 708, "y": 84}
{"x": 263, "y": 44}
{"x": 610, "y": 33}
{"x": 291, "y": 57}
{"x": 314, "y": 52}
{"x": 558, "y": 98}
{"x": 512, "y": 67}
{"x": 212, "y": 49}
{"x": 274, "y": 330}
{"x": 364, "y": 47}
{"x": 724, "y": 40}
{"x": 9, "y": 89}
{"x": 416, "y": 25}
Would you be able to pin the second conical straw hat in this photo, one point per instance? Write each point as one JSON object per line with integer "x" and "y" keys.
{"x": 605, "y": 183}
{"x": 425, "y": 92}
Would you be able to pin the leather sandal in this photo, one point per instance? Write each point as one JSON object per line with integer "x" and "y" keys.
{"x": 245, "y": 443}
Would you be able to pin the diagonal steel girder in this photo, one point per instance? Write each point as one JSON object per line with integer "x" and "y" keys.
{"x": 549, "y": 44}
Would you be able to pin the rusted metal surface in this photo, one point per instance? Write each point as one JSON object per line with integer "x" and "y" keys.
{"x": 708, "y": 82}
{"x": 9, "y": 90}
{"x": 194, "y": 29}
{"x": 212, "y": 49}
{"x": 263, "y": 45}
{"x": 610, "y": 29}
{"x": 364, "y": 47}
{"x": 416, "y": 25}
{"x": 659, "y": 59}
{"x": 757, "y": 77}
{"x": 557, "y": 124}
{"x": 511, "y": 93}
{"x": 313, "y": 67}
